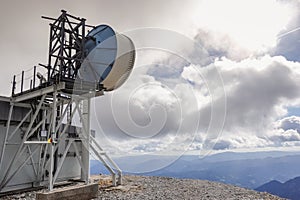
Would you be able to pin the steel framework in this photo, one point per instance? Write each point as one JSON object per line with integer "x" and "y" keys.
{"x": 52, "y": 106}
{"x": 66, "y": 47}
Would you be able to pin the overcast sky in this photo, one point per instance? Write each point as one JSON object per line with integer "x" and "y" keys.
{"x": 213, "y": 74}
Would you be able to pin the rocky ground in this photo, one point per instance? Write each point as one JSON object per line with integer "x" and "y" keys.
{"x": 144, "y": 187}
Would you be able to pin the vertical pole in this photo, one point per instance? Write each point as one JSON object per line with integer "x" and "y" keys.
{"x": 34, "y": 75}
{"x": 83, "y": 39}
{"x": 22, "y": 81}
{"x": 50, "y": 51}
{"x": 54, "y": 112}
{"x": 85, "y": 157}
{"x": 70, "y": 55}
{"x": 62, "y": 45}
{"x": 13, "y": 86}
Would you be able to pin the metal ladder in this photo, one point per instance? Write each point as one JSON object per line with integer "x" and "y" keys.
{"x": 110, "y": 165}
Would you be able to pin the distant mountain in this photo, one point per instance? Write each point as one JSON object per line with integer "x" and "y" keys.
{"x": 228, "y": 156}
{"x": 249, "y": 173}
{"x": 248, "y": 170}
{"x": 273, "y": 186}
{"x": 290, "y": 189}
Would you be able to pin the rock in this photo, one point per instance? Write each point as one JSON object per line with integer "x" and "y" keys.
{"x": 146, "y": 187}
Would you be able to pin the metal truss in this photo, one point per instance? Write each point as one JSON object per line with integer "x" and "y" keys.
{"x": 48, "y": 116}
{"x": 53, "y": 114}
{"x": 49, "y": 105}
{"x": 66, "y": 46}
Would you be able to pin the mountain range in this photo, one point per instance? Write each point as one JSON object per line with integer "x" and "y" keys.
{"x": 249, "y": 170}
{"x": 289, "y": 189}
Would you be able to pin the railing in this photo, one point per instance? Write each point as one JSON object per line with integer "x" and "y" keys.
{"x": 28, "y": 80}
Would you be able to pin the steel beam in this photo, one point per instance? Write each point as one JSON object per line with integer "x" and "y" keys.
{"x": 32, "y": 162}
{"x": 39, "y": 92}
{"x": 19, "y": 125}
{"x": 19, "y": 168}
{"x": 17, "y": 154}
{"x": 6, "y": 134}
{"x": 51, "y": 170}
{"x": 36, "y": 127}
{"x": 86, "y": 132}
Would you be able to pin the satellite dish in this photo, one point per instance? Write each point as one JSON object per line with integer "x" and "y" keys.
{"x": 110, "y": 58}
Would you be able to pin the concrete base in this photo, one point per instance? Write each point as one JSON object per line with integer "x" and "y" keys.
{"x": 83, "y": 192}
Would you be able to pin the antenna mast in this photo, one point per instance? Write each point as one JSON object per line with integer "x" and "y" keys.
{"x": 66, "y": 47}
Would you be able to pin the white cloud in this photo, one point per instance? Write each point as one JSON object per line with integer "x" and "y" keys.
{"x": 289, "y": 123}
{"x": 165, "y": 98}
{"x": 253, "y": 25}
{"x": 258, "y": 92}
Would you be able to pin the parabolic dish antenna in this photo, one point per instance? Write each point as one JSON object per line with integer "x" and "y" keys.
{"x": 110, "y": 58}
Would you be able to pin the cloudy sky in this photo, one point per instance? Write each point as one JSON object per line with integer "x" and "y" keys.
{"x": 209, "y": 74}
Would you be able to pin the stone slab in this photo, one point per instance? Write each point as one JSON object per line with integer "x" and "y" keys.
{"x": 83, "y": 192}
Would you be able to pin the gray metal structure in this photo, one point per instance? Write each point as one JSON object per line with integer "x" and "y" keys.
{"x": 40, "y": 145}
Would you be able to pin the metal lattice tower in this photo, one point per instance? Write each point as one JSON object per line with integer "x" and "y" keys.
{"x": 66, "y": 47}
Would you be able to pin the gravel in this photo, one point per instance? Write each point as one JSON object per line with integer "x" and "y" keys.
{"x": 146, "y": 187}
